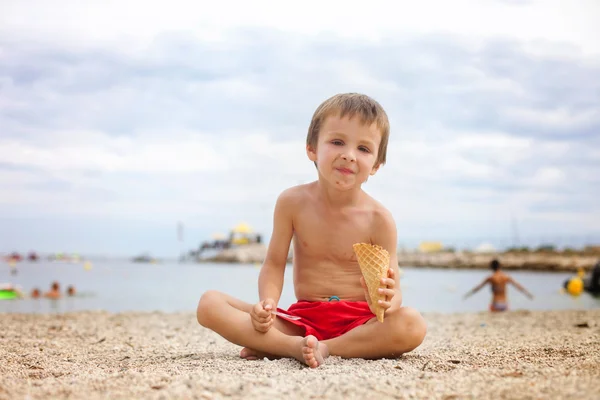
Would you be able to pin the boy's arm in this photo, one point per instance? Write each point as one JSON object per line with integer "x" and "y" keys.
{"x": 270, "y": 279}
{"x": 386, "y": 236}
{"x": 521, "y": 288}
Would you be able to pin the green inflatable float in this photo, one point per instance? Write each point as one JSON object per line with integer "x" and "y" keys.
{"x": 8, "y": 294}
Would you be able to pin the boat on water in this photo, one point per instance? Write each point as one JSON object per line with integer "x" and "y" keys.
{"x": 144, "y": 258}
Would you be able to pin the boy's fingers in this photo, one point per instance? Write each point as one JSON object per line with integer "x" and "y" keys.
{"x": 388, "y": 282}
{"x": 389, "y": 293}
{"x": 257, "y": 326}
{"x": 384, "y": 304}
{"x": 259, "y": 310}
{"x": 391, "y": 273}
{"x": 262, "y": 326}
{"x": 268, "y": 304}
{"x": 267, "y": 326}
{"x": 264, "y": 318}
{"x": 263, "y": 309}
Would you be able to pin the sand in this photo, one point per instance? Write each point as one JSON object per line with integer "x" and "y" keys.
{"x": 89, "y": 355}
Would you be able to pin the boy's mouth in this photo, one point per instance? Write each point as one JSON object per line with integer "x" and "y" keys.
{"x": 345, "y": 171}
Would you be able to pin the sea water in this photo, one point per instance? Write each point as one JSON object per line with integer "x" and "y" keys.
{"x": 116, "y": 286}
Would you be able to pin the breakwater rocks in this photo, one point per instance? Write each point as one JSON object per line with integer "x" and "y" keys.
{"x": 542, "y": 261}
{"x": 249, "y": 254}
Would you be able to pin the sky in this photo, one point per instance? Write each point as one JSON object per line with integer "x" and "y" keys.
{"x": 120, "y": 118}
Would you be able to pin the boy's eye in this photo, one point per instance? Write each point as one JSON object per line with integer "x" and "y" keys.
{"x": 337, "y": 142}
{"x": 364, "y": 149}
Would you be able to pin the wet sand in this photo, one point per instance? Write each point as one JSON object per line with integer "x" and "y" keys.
{"x": 89, "y": 355}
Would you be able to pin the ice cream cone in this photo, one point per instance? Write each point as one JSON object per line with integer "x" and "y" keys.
{"x": 374, "y": 262}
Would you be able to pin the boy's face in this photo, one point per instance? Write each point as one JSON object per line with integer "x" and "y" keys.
{"x": 346, "y": 151}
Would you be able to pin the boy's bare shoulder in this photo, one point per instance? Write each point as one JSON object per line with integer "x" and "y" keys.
{"x": 382, "y": 226}
{"x": 382, "y": 217}
{"x": 295, "y": 194}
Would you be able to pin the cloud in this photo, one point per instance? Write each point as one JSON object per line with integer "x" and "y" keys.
{"x": 91, "y": 151}
{"x": 210, "y": 131}
{"x": 516, "y": 2}
{"x": 498, "y": 86}
{"x": 135, "y": 23}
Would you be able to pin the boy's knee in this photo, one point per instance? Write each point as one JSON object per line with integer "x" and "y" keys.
{"x": 410, "y": 329}
{"x": 207, "y": 303}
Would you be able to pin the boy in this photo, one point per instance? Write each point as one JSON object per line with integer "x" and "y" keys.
{"x": 347, "y": 141}
{"x": 498, "y": 281}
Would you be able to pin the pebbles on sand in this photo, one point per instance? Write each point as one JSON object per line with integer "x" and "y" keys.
{"x": 90, "y": 355}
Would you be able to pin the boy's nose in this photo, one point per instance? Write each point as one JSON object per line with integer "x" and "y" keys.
{"x": 348, "y": 157}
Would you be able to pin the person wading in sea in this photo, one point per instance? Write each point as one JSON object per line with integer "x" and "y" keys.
{"x": 498, "y": 281}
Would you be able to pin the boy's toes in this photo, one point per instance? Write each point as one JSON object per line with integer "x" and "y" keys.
{"x": 311, "y": 353}
{"x": 309, "y": 359}
{"x": 249, "y": 354}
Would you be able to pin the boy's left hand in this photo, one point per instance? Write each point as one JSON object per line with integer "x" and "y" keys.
{"x": 388, "y": 288}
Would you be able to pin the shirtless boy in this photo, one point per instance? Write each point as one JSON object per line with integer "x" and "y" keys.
{"x": 347, "y": 141}
{"x": 498, "y": 281}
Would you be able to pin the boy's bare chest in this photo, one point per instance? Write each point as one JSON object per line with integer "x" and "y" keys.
{"x": 329, "y": 236}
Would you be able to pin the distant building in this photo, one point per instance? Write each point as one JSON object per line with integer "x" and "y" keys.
{"x": 485, "y": 248}
{"x": 243, "y": 234}
{"x": 430, "y": 247}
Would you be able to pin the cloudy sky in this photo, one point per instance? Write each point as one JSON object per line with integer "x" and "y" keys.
{"x": 120, "y": 118}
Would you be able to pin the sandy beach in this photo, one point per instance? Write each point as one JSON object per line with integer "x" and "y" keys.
{"x": 87, "y": 355}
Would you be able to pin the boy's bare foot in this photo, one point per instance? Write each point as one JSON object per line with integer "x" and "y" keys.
{"x": 313, "y": 352}
{"x": 251, "y": 354}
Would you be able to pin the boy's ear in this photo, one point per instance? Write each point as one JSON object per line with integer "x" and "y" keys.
{"x": 375, "y": 168}
{"x": 311, "y": 153}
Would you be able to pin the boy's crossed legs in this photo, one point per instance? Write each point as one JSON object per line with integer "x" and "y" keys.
{"x": 402, "y": 331}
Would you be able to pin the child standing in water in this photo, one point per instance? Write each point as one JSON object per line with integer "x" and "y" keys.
{"x": 498, "y": 281}
{"x": 347, "y": 141}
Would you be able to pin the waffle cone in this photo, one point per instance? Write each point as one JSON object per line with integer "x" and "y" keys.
{"x": 374, "y": 262}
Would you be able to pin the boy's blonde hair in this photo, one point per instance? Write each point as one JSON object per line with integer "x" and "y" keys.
{"x": 352, "y": 105}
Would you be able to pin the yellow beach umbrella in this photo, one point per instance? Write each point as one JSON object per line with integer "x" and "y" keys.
{"x": 242, "y": 228}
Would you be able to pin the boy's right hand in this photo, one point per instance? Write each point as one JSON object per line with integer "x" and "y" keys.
{"x": 261, "y": 316}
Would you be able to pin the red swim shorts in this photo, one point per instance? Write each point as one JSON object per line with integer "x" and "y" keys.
{"x": 328, "y": 319}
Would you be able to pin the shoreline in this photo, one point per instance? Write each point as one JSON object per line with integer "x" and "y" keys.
{"x": 91, "y": 354}
{"x": 514, "y": 260}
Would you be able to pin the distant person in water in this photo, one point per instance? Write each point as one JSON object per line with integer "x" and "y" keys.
{"x": 35, "y": 293}
{"x": 71, "y": 291}
{"x": 54, "y": 292}
{"x": 498, "y": 281}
